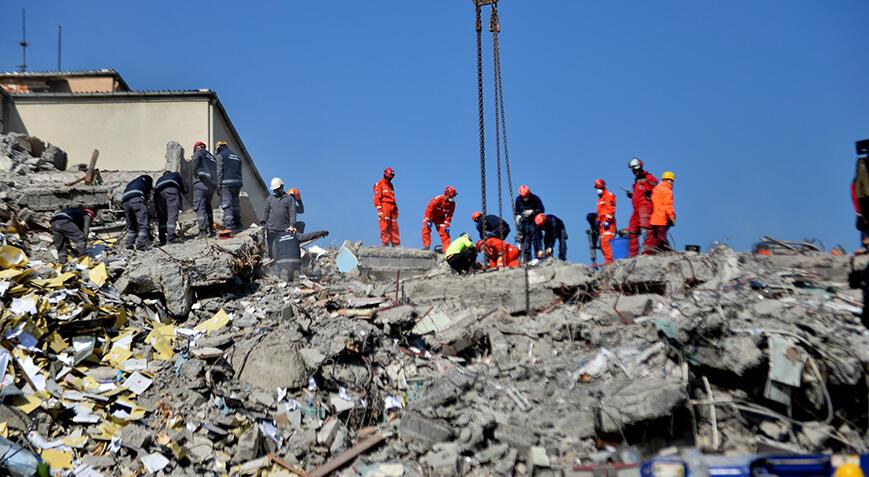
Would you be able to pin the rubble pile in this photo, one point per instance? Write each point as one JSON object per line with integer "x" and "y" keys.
{"x": 22, "y": 154}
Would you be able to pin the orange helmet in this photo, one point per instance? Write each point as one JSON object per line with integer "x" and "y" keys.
{"x": 198, "y": 145}
{"x": 600, "y": 184}
{"x": 524, "y": 190}
{"x": 476, "y": 216}
{"x": 388, "y": 173}
{"x": 540, "y": 219}
{"x": 89, "y": 212}
{"x": 450, "y": 192}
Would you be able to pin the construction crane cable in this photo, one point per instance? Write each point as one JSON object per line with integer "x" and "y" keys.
{"x": 482, "y": 117}
{"x": 494, "y": 27}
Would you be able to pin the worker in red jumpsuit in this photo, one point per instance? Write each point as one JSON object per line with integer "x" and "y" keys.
{"x": 499, "y": 253}
{"x": 387, "y": 210}
{"x": 439, "y": 213}
{"x": 641, "y": 196}
{"x": 606, "y": 219}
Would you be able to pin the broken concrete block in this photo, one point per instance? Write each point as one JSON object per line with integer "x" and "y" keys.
{"x": 538, "y": 458}
{"x": 517, "y": 437}
{"x": 174, "y": 157}
{"x": 442, "y": 460}
{"x": 384, "y": 263}
{"x": 272, "y": 363}
{"x": 444, "y": 389}
{"x": 423, "y": 429}
{"x": 56, "y": 157}
{"x": 639, "y": 401}
{"x": 248, "y": 447}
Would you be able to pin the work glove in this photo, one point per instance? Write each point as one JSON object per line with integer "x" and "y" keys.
{"x": 291, "y": 229}
{"x": 671, "y": 222}
{"x": 629, "y": 194}
{"x": 427, "y": 223}
{"x": 518, "y": 219}
{"x": 528, "y": 213}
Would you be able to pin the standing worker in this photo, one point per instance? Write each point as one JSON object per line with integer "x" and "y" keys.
{"x": 135, "y": 201}
{"x": 663, "y": 215}
{"x": 552, "y": 228}
{"x": 527, "y": 207}
{"x": 606, "y": 219}
{"x": 280, "y": 214}
{"x": 204, "y": 184}
{"x": 461, "y": 254}
{"x": 439, "y": 214}
{"x": 641, "y": 197}
{"x": 499, "y": 253}
{"x": 167, "y": 201}
{"x": 229, "y": 179}
{"x": 495, "y": 226}
{"x": 387, "y": 210}
{"x": 69, "y": 228}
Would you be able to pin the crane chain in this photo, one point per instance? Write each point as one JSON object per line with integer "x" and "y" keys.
{"x": 482, "y": 119}
{"x": 494, "y": 27}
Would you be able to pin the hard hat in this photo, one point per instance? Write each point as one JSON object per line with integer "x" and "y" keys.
{"x": 89, "y": 212}
{"x": 524, "y": 190}
{"x": 476, "y": 216}
{"x": 450, "y": 191}
{"x": 668, "y": 175}
{"x": 277, "y": 183}
{"x": 636, "y": 163}
{"x": 388, "y": 173}
{"x": 848, "y": 470}
{"x": 219, "y": 143}
{"x": 198, "y": 145}
{"x": 600, "y": 184}
{"x": 540, "y": 219}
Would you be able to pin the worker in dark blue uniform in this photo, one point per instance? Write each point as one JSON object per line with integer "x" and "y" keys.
{"x": 229, "y": 179}
{"x": 70, "y": 228}
{"x": 553, "y": 230}
{"x": 495, "y": 226}
{"x": 135, "y": 201}
{"x": 528, "y": 206}
{"x": 204, "y": 184}
{"x": 167, "y": 201}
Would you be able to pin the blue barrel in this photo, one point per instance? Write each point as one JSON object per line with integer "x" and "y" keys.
{"x": 621, "y": 248}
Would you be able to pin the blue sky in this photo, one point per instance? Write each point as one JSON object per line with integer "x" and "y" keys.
{"x": 754, "y": 104}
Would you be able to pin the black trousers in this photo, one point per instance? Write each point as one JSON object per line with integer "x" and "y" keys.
{"x": 463, "y": 261}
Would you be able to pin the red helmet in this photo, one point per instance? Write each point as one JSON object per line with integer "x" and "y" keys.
{"x": 600, "y": 184}
{"x": 450, "y": 192}
{"x": 198, "y": 145}
{"x": 388, "y": 173}
{"x": 89, "y": 212}
{"x": 540, "y": 219}
{"x": 524, "y": 190}
{"x": 476, "y": 216}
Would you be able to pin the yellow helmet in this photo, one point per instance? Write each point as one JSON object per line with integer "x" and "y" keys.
{"x": 668, "y": 175}
{"x": 219, "y": 143}
{"x": 848, "y": 470}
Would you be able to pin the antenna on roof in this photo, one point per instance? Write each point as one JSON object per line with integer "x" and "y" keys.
{"x": 23, "y": 43}
{"x": 59, "y": 44}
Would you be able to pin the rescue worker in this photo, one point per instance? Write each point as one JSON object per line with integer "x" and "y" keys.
{"x": 387, "y": 210}
{"x": 280, "y": 212}
{"x": 439, "y": 214}
{"x": 229, "y": 179}
{"x": 69, "y": 228}
{"x": 606, "y": 219}
{"x": 135, "y": 201}
{"x": 663, "y": 215}
{"x": 461, "y": 254}
{"x": 528, "y": 206}
{"x": 552, "y": 228}
{"x": 499, "y": 253}
{"x": 641, "y": 196}
{"x": 495, "y": 226}
{"x": 204, "y": 184}
{"x": 167, "y": 202}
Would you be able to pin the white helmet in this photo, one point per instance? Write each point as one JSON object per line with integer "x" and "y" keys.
{"x": 636, "y": 163}
{"x": 277, "y": 183}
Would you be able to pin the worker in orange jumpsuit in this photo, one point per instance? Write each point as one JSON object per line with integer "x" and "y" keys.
{"x": 387, "y": 210}
{"x": 499, "y": 253}
{"x": 642, "y": 201}
{"x": 663, "y": 216}
{"x": 439, "y": 213}
{"x": 606, "y": 219}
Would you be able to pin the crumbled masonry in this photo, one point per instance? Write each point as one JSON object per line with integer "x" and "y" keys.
{"x": 192, "y": 359}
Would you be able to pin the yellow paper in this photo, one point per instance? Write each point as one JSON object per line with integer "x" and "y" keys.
{"x": 99, "y": 274}
{"x": 108, "y": 430}
{"x": 28, "y": 404}
{"x": 4, "y": 429}
{"x": 161, "y": 338}
{"x": 56, "y": 282}
{"x": 12, "y": 257}
{"x": 57, "y": 343}
{"x": 216, "y": 322}
{"x": 76, "y": 442}
{"x": 12, "y": 273}
{"x": 57, "y": 459}
{"x": 86, "y": 261}
{"x": 117, "y": 356}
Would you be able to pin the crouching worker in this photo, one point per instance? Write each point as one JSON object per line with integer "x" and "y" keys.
{"x": 499, "y": 253}
{"x": 70, "y": 230}
{"x": 461, "y": 255}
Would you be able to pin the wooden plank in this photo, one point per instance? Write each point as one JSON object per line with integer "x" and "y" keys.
{"x": 91, "y": 172}
{"x": 347, "y": 456}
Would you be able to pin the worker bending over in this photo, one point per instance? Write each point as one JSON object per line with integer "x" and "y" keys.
{"x": 606, "y": 219}
{"x": 499, "y": 253}
{"x": 70, "y": 228}
{"x": 387, "y": 209}
{"x": 135, "y": 202}
{"x": 663, "y": 215}
{"x": 229, "y": 179}
{"x": 495, "y": 226}
{"x": 204, "y": 184}
{"x": 527, "y": 207}
{"x": 641, "y": 197}
{"x": 461, "y": 254}
{"x": 439, "y": 214}
{"x": 553, "y": 230}
{"x": 280, "y": 213}
{"x": 167, "y": 201}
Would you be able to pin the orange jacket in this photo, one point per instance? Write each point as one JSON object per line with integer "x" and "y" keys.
{"x": 440, "y": 210}
{"x": 662, "y": 204}
{"x": 499, "y": 253}
{"x": 606, "y": 207}
{"x": 384, "y": 193}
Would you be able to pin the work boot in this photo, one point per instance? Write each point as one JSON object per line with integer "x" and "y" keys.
{"x": 144, "y": 247}
{"x": 202, "y": 234}
{"x": 176, "y": 240}
{"x": 130, "y": 246}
